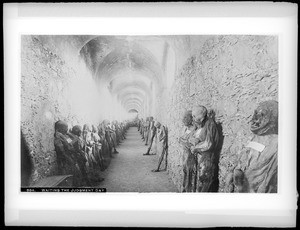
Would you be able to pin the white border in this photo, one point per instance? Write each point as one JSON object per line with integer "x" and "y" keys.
{"x": 133, "y": 209}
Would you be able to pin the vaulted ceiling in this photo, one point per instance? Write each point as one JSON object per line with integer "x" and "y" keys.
{"x": 131, "y": 67}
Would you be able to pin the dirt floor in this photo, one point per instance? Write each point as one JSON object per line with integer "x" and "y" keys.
{"x": 130, "y": 171}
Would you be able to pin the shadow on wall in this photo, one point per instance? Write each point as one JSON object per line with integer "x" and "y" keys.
{"x": 215, "y": 184}
{"x": 26, "y": 163}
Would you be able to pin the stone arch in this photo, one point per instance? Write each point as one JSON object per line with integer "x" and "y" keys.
{"x": 132, "y": 104}
{"x": 135, "y": 93}
{"x": 131, "y": 98}
{"x": 132, "y": 56}
{"x": 135, "y": 108}
{"x": 139, "y": 103}
{"x": 133, "y": 111}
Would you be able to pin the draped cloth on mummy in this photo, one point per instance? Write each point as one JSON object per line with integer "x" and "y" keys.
{"x": 256, "y": 171}
{"x": 207, "y": 147}
{"x": 260, "y": 168}
{"x": 189, "y": 162}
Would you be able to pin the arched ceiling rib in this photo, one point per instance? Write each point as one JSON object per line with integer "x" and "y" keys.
{"x": 130, "y": 78}
{"x": 133, "y": 101}
{"x": 132, "y": 98}
{"x": 131, "y": 56}
{"x": 131, "y": 85}
{"x": 133, "y": 91}
{"x": 134, "y": 107}
{"x": 129, "y": 89}
{"x": 132, "y": 104}
{"x": 133, "y": 111}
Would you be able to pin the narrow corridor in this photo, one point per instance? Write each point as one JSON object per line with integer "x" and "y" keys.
{"x": 100, "y": 80}
{"x": 130, "y": 171}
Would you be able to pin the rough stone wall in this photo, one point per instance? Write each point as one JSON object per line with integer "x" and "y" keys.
{"x": 47, "y": 95}
{"x": 230, "y": 75}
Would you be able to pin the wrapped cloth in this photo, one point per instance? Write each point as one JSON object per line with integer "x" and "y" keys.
{"x": 189, "y": 162}
{"x": 162, "y": 145}
{"x": 256, "y": 171}
{"x": 207, "y": 141}
{"x": 63, "y": 148}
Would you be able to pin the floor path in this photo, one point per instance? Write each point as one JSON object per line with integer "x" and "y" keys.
{"x": 130, "y": 171}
